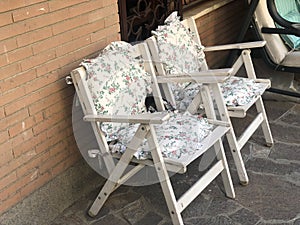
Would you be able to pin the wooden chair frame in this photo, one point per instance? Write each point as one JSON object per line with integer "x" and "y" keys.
{"x": 146, "y": 130}
{"x": 235, "y": 143}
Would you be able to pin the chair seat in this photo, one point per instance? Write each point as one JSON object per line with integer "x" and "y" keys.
{"x": 180, "y": 136}
{"x": 237, "y": 92}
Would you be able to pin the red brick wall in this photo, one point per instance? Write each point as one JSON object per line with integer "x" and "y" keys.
{"x": 221, "y": 26}
{"x": 41, "y": 41}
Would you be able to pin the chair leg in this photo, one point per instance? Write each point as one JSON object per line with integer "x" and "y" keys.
{"x": 111, "y": 183}
{"x": 231, "y": 137}
{"x": 226, "y": 177}
{"x": 265, "y": 124}
{"x": 113, "y": 179}
{"x": 164, "y": 178}
{"x": 237, "y": 157}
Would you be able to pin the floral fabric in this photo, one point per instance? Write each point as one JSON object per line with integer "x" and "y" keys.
{"x": 239, "y": 91}
{"x": 119, "y": 85}
{"x": 180, "y": 135}
{"x": 181, "y": 54}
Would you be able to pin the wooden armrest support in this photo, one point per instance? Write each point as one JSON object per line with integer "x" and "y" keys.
{"x": 246, "y": 45}
{"x": 147, "y": 118}
{"x": 208, "y": 76}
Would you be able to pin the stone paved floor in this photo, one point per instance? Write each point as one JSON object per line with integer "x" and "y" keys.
{"x": 272, "y": 196}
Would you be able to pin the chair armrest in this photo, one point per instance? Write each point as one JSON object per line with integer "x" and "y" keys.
{"x": 246, "y": 45}
{"x": 147, "y": 118}
{"x": 207, "y": 76}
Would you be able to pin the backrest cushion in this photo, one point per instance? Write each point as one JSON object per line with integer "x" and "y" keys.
{"x": 117, "y": 82}
{"x": 180, "y": 54}
{"x": 177, "y": 49}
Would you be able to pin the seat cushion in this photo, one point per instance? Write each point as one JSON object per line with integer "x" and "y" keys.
{"x": 239, "y": 91}
{"x": 236, "y": 91}
{"x": 180, "y": 135}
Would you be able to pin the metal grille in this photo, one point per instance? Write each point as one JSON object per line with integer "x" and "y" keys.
{"x": 139, "y": 17}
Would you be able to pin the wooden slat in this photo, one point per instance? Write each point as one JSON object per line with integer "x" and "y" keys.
{"x": 145, "y": 118}
{"x": 254, "y": 44}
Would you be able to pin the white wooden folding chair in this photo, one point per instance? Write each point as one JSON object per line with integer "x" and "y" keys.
{"x": 176, "y": 49}
{"x": 112, "y": 89}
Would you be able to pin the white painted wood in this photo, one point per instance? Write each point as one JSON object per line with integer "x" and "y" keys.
{"x": 145, "y": 118}
{"x": 146, "y": 130}
{"x": 250, "y": 130}
{"x": 246, "y": 45}
{"x": 200, "y": 185}
{"x": 213, "y": 94}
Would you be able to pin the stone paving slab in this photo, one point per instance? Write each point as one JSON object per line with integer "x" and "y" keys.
{"x": 272, "y": 196}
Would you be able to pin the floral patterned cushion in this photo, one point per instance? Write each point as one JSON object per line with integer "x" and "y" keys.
{"x": 118, "y": 83}
{"x": 181, "y": 54}
{"x": 181, "y": 135}
{"x": 239, "y": 91}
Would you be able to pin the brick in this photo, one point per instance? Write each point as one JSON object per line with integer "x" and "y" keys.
{"x": 13, "y": 118}
{"x": 8, "y": 168}
{"x": 63, "y": 125}
{"x": 69, "y": 24}
{"x": 47, "y": 142}
{"x": 16, "y": 186}
{"x": 55, "y": 64}
{"x": 50, "y": 43}
{"x": 88, "y": 29}
{"x": 7, "y": 5}
{"x": 33, "y": 164}
{"x": 21, "y": 142}
{"x": 9, "y": 202}
{"x": 18, "y": 54}
{"x": 89, "y": 51}
{"x": 13, "y": 30}
{"x": 46, "y": 19}
{"x": 2, "y": 115}
{"x": 40, "y": 82}
{"x": 5, "y": 153}
{"x": 49, "y": 102}
{"x": 73, "y": 45}
{"x": 4, "y": 136}
{"x": 21, "y": 103}
{"x": 58, "y": 4}
{"x": 44, "y": 125}
{"x": 5, "y": 19}
{"x": 7, "y": 180}
{"x": 41, "y": 179}
{"x": 105, "y": 32}
{"x": 38, "y": 117}
{"x": 36, "y": 60}
{"x": 113, "y": 37}
{"x": 29, "y": 12}
{"x": 4, "y": 60}
{"x": 65, "y": 164}
{"x": 34, "y": 36}
{"x": 18, "y": 80}
{"x": 10, "y": 70}
{"x": 87, "y": 7}
{"x": 102, "y": 13}
{"x": 111, "y": 20}
{"x": 12, "y": 96}
{"x": 21, "y": 127}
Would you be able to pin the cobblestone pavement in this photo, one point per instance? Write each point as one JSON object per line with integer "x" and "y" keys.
{"x": 272, "y": 196}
